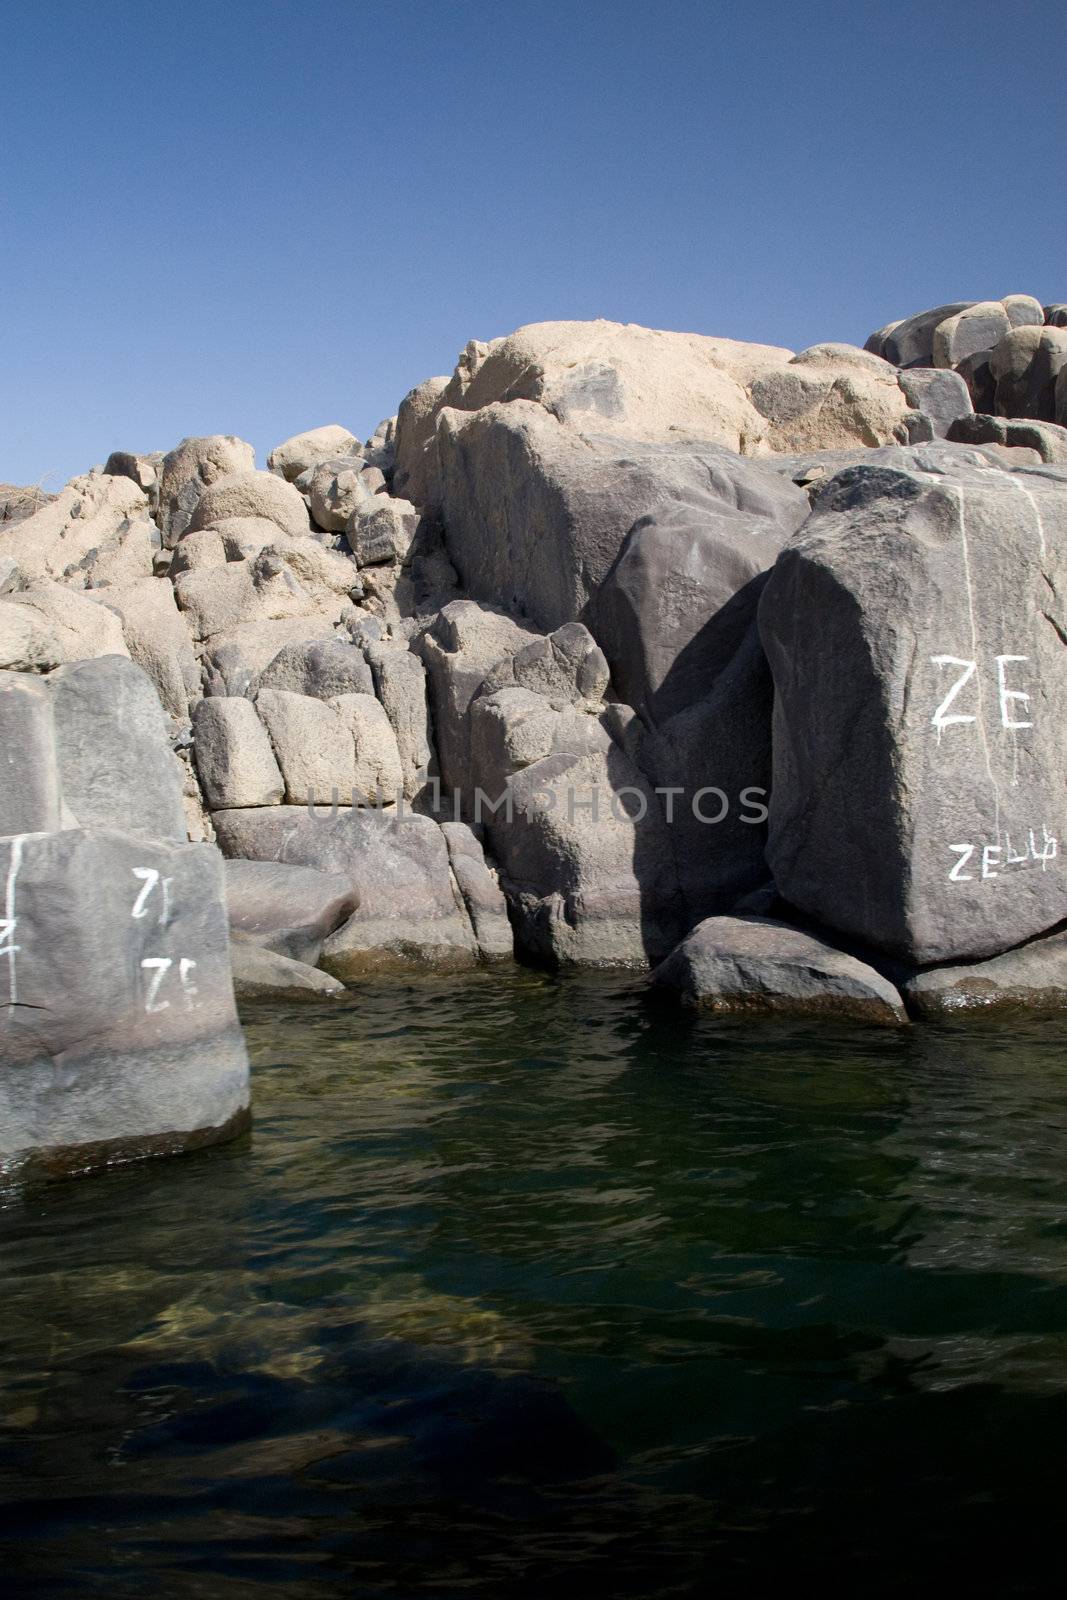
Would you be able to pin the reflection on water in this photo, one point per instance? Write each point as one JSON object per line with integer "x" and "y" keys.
{"x": 523, "y": 1280}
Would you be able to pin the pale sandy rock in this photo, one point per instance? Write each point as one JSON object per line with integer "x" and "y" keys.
{"x": 235, "y": 658}
{"x": 378, "y": 776}
{"x": 313, "y": 745}
{"x": 382, "y": 533}
{"x": 127, "y": 555}
{"x": 980, "y": 327}
{"x": 79, "y": 625}
{"x": 306, "y": 450}
{"x": 1023, "y": 310}
{"x": 234, "y": 755}
{"x": 204, "y": 548}
{"x": 415, "y": 424}
{"x": 88, "y": 513}
{"x": 336, "y": 490}
{"x": 187, "y": 470}
{"x": 819, "y": 401}
{"x": 28, "y": 642}
{"x": 252, "y": 494}
{"x": 158, "y": 639}
{"x": 217, "y": 600}
{"x": 400, "y": 685}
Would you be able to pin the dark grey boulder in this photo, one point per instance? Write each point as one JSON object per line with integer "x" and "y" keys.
{"x": 939, "y": 395}
{"x": 29, "y": 772}
{"x": 1025, "y": 366}
{"x": 116, "y": 765}
{"x": 398, "y": 867}
{"x": 1013, "y": 433}
{"x": 290, "y": 910}
{"x": 969, "y": 333}
{"x": 916, "y": 632}
{"x": 1056, "y": 316}
{"x": 262, "y": 974}
{"x": 1031, "y": 980}
{"x": 755, "y": 967}
{"x": 117, "y": 1025}
{"x": 910, "y": 343}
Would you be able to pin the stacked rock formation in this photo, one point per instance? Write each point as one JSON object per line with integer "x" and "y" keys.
{"x": 615, "y": 648}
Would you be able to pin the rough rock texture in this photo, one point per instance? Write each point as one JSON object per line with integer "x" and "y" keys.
{"x": 261, "y": 974}
{"x": 116, "y": 766}
{"x": 235, "y": 658}
{"x": 158, "y": 640}
{"x": 251, "y": 494}
{"x": 29, "y": 772}
{"x": 313, "y": 745}
{"x": 91, "y": 511}
{"x": 188, "y": 470}
{"x": 322, "y": 668}
{"x": 234, "y": 756}
{"x": 336, "y": 491}
{"x": 916, "y": 632}
{"x": 382, "y": 533}
{"x": 118, "y": 1033}
{"x": 415, "y": 424}
{"x": 262, "y": 590}
{"x": 1031, "y": 979}
{"x": 290, "y": 910}
{"x": 377, "y": 776}
{"x": 59, "y": 624}
{"x": 755, "y": 967}
{"x": 940, "y": 396}
{"x": 829, "y": 396}
{"x": 1045, "y": 439}
{"x": 481, "y": 891}
{"x": 398, "y": 866}
{"x": 1024, "y": 367}
{"x": 306, "y": 450}
{"x": 400, "y": 685}
{"x": 979, "y": 328}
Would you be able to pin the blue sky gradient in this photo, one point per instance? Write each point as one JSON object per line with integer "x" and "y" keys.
{"x": 260, "y": 216}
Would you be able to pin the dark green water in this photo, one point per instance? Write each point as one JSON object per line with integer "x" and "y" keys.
{"x": 523, "y": 1287}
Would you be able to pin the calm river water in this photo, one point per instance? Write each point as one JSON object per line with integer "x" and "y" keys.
{"x": 524, "y": 1284}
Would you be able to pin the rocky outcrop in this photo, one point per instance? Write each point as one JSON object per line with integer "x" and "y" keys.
{"x": 756, "y": 967}
{"x": 915, "y": 630}
{"x": 1032, "y": 979}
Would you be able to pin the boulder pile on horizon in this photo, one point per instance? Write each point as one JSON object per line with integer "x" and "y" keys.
{"x": 616, "y": 648}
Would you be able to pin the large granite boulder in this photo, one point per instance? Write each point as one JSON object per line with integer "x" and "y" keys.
{"x": 90, "y": 512}
{"x": 116, "y": 765}
{"x": 756, "y": 967}
{"x": 118, "y": 1032}
{"x": 1032, "y": 979}
{"x": 188, "y": 470}
{"x": 158, "y": 640}
{"x": 234, "y": 756}
{"x": 409, "y": 912}
{"x": 916, "y": 632}
{"x": 400, "y": 685}
{"x": 262, "y": 974}
{"x": 289, "y": 909}
{"x": 828, "y": 397}
{"x": 30, "y": 795}
{"x": 251, "y": 494}
{"x": 306, "y": 450}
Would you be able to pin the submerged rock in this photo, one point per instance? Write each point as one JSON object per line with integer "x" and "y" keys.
{"x": 1030, "y": 979}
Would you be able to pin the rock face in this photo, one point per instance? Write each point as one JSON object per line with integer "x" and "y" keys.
{"x": 289, "y": 910}
{"x": 188, "y": 470}
{"x": 916, "y": 632}
{"x": 117, "y": 1025}
{"x": 261, "y": 974}
{"x": 1032, "y": 979}
{"x": 90, "y": 512}
{"x": 234, "y": 756}
{"x": 398, "y": 867}
{"x": 756, "y": 967}
{"x": 306, "y": 450}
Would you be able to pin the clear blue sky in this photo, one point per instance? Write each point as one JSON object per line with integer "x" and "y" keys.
{"x": 257, "y": 216}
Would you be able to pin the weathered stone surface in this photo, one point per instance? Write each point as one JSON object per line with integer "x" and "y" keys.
{"x": 1032, "y": 979}
{"x": 398, "y": 866}
{"x": 204, "y": 548}
{"x": 188, "y": 470}
{"x": 916, "y": 629}
{"x": 1025, "y": 366}
{"x": 261, "y": 974}
{"x": 481, "y": 891}
{"x": 415, "y": 424}
{"x": 967, "y": 333}
{"x": 400, "y": 685}
{"x": 322, "y": 668}
{"x": 158, "y": 640}
{"x": 66, "y": 624}
{"x": 29, "y": 773}
{"x": 910, "y": 342}
{"x": 252, "y": 494}
{"x": 28, "y": 643}
{"x": 18, "y": 501}
{"x": 91, "y": 511}
{"x": 216, "y": 601}
{"x": 1046, "y": 439}
{"x": 234, "y": 756}
{"x": 382, "y": 533}
{"x": 636, "y": 383}
{"x": 827, "y": 397}
{"x": 755, "y": 967}
{"x": 377, "y": 777}
{"x": 313, "y": 746}
{"x": 336, "y": 492}
{"x": 941, "y": 396}
{"x": 118, "y": 1032}
{"x": 235, "y": 658}
{"x": 586, "y": 862}
{"x": 116, "y": 766}
{"x": 143, "y": 470}
{"x": 565, "y": 665}
{"x": 288, "y": 909}
{"x": 306, "y": 450}
{"x": 535, "y": 515}
{"x": 1023, "y": 310}
{"x": 122, "y": 557}
{"x": 464, "y": 642}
